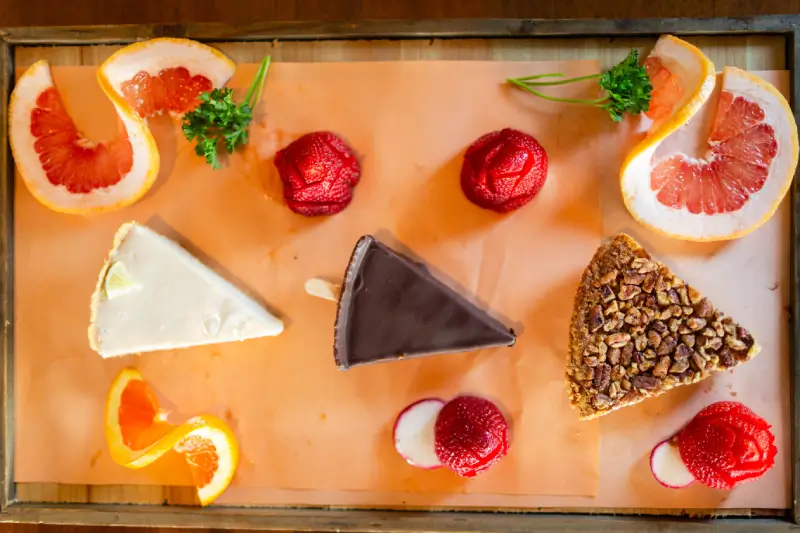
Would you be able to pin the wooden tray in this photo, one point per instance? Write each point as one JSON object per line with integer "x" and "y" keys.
{"x": 763, "y": 43}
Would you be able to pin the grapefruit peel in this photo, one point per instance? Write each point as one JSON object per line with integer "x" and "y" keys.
{"x": 707, "y": 221}
{"x": 71, "y": 174}
{"x": 182, "y": 438}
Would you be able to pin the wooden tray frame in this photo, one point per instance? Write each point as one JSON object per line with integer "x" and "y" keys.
{"x": 314, "y": 519}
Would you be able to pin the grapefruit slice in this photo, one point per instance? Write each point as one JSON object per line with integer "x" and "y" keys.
{"x": 72, "y": 174}
{"x": 138, "y": 434}
{"x": 62, "y": 168}
{"x": 749, "y": 162}
{"x": 164, "y": 74}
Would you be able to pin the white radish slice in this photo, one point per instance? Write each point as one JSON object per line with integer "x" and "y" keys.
{"x": 414, "y": 433}
{"x": 667, "y": 466}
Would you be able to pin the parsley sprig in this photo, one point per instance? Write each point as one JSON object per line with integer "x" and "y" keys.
{"x": 626, "y": 87}
{"x": 219, "y": 120}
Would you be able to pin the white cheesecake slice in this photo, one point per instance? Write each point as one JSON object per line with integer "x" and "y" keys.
{"x": 154, "y": 295}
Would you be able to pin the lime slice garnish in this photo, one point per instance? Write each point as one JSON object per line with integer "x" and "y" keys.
{"x": 118, "y": 281}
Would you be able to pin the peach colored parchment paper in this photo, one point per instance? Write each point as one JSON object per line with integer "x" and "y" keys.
{"x": 308, "y": 432}
{"x": 747, "y": 278}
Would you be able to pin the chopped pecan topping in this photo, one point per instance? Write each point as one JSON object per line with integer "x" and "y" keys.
{"x": 682, "y": 352}
{"x": 633, "y": 278}
{"x": 696, "y": 323}
{"x": 633, "y": 316}
{"x": 676, "y": 368}
{"x": 631, "y": 396}
{"x": 609, "y": 277}
{"x": 606, "y": 293}
{"x": 659, "y": 326}
{"x": 684, "y": 295}
{"x": 649, "y": 282}
{"x": 627, "y": 350}
{"x": 653, "y": 338}
{"x": 662, "y": 298}
{"x": 602, "y": 377}
{"x": 702, "y": 308}
{"x": 673, "y": 296}
{"x": 648, "y": 267}
{"x": 601, "y": 401}
{"x": 618, "y": 340}
{"x": 662, "y": 367}
{"x": 595, "y": 318}
{"x": 667, "y": 345}
{"x": 745, "y": 337}
{"x": 645, "y": 382}
{"x": 694, "y": 296}
{"x": 627, "y": 292}
{"x": 714, "y": 344}
{"x": 725, "y": 357}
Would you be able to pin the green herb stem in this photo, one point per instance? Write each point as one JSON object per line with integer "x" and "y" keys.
{"x": 528, "y": 88}
{"x": 626, "y": 87}
{"x": 258, "y": 83}
{"x": 526, "y": 80}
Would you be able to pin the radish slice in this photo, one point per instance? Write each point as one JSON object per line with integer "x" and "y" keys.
{"x": 667, "y": 466}
{"x": 414, "y": 433}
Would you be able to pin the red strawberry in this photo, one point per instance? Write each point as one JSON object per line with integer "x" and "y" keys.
{"x": 727, "y": 444}
{"x": 503, "y": 170}
{"x": 471, "y": 435}
{"x": 318, "y": 172}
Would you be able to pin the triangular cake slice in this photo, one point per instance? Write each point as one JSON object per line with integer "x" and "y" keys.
{"x": 638, "y": 331}
{"x": 391, "y": 307}
{"x": 154, "y": 295}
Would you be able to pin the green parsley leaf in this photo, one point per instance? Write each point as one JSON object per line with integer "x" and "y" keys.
{"x": 218, "y": 121}
{"x": 626, "y": 87}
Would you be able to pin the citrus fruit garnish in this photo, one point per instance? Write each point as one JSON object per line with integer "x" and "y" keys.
{"x": 70, "y": 173}
{"x": 61, "y": 167}
{"x": 750, "y": 157}
{"x": 118, "y": 280}
{"x": 165, "y": 74}
{"x": 138, "y": 434}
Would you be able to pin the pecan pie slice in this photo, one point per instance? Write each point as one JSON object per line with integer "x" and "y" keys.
{"x": 638, "y": 331}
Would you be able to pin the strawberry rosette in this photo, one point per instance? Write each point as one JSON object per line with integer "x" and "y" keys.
{"x": 726, "y": 444}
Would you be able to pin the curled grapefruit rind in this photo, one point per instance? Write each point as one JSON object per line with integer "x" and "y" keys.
{"x": 137, "y": 435}
{"x": 164, "y": 74}
{"x": 69, "y": 173}
{"x": 52, "y": 156}
{"x": 749, "y": 163}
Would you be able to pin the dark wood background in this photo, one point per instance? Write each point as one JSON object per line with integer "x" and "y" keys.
{"x": 72, "y": 12}
{"x": 76, "y": 12}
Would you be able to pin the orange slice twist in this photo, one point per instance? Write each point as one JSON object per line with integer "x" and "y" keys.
{"x": 137, "y": 435}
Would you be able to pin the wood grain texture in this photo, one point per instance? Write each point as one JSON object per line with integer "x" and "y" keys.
{"x": 78, "y": 12}
{"x": 747, "y": 52}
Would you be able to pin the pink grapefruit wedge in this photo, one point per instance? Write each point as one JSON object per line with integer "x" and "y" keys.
{"x": 749, "y": 158}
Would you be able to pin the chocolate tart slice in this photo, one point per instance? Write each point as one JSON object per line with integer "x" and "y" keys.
{"x": 638, "y": 331}
{"x": 391, "y": 307}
